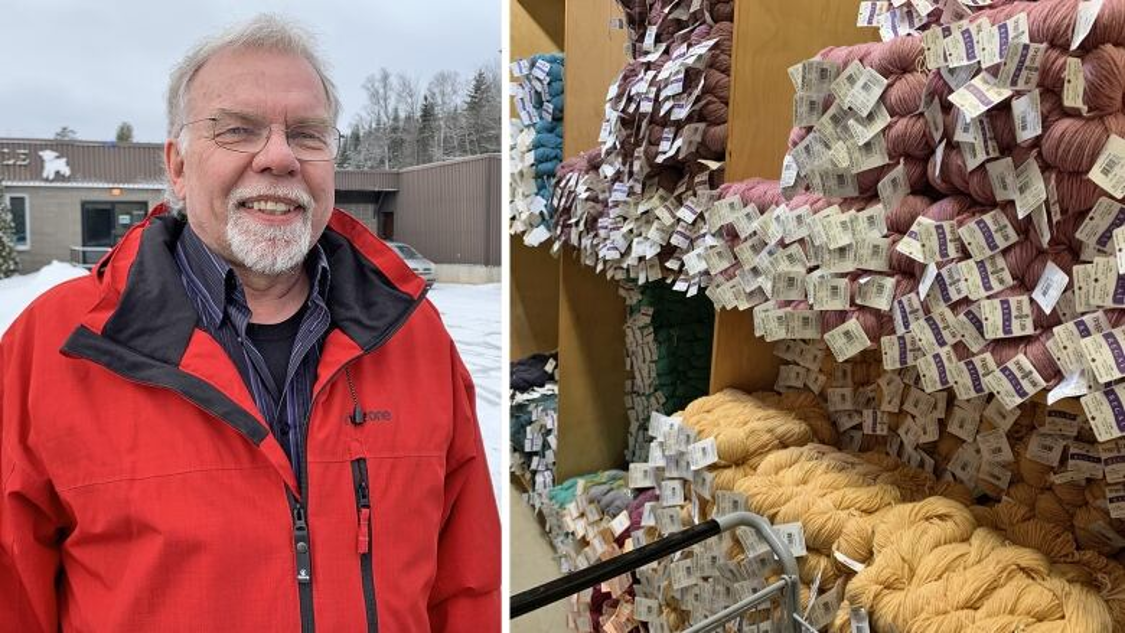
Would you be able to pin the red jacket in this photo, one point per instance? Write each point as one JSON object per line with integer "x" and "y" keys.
{"x": 141, "y": 490}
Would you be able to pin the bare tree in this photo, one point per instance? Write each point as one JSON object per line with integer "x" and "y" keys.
{"x": 445, "y": 90}
{"x": 377, "y": 117}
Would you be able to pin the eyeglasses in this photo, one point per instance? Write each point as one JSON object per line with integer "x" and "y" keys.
{"x": 240, "y": 133}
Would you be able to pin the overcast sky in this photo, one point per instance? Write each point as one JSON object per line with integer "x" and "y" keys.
{"x": 91, "y": 65}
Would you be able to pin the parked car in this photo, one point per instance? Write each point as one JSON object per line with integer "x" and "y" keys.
{"x": 420, "y": 265}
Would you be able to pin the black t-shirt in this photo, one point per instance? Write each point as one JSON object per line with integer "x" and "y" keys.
{"x": 275, "y": 344}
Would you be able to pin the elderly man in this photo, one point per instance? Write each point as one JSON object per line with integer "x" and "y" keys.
{"x": 247, "y": 418}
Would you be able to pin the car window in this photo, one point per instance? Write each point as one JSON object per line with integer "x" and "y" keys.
{"x": 407, "y": 252}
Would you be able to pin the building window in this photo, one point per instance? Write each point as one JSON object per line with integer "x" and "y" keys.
{"x": 18, "y": 205}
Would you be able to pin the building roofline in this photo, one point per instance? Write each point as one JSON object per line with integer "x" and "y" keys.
{"x": 459, "y": 159}
{"x": 83, "y": 185}
{"x": 51, "y": 141}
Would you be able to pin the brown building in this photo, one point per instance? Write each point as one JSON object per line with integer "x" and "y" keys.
{"x": 72, "y": 200}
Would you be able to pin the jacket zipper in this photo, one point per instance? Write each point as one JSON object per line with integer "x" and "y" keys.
{"x": 363, "y": 540}
{"x": 303, "y": 549}
{"x": 300, "y": 506}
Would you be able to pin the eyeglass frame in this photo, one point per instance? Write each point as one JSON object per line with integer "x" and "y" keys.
{"x": 214, "y": 118}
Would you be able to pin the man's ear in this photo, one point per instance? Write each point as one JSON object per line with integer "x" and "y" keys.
{"x": 174, "y": 166}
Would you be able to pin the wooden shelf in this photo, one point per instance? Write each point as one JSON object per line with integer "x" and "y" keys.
{"x": 537, "y": 26}
{"x": 595, "y": 54}
{"x": 593, "y": 426}
{"x": 534, "y": 300}
{"x": 769, "y": 37}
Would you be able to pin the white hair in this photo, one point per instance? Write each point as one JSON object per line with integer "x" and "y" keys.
{"x": 266, "y": 31}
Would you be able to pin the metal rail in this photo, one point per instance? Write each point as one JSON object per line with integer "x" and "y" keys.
{"x": 537, "y": 597}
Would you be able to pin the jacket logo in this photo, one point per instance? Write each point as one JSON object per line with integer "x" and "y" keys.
{"x": 372, "y": 415}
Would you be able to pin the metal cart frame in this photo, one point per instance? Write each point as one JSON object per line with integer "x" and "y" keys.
{"x": 788, "y": 587}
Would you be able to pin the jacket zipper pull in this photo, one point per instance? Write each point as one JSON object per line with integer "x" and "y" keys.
{"x": 357, "y": 415}
{"x": 363, "y": 541}
{"x": 301, "y": 543}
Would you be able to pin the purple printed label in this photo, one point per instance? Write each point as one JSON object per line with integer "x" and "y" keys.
{"x": 1024, "y": 51}
{"x": 943, "y": 242}
{"x": 903, "y": 313}
{"x": 1113, "y": 460}
{"x": 1107, "y": 234}
{"x": 1010, "y": 376}
{"x": 1006, "y": 317}
{"x": 931, "y": 322}
{"x": 893, "y": 22}
{"x": 985, "y": 135}
{"x": 1117, "y": 407}
{"x": 1004, "y": 37}
{"x": 975, "y": 321}
{"x": 985, "y": 278}
{"x": 943, "y": 377}
{"x": 1063, "y": 415}
{"x": 872, "y": 8}
{"x": 1115, "y": 348}
{"x": 1083, "y": 457}
{"x": 1083, "y": 329}
{"x": 943, "y": 288}
{"x": 970, "y": 45}
{"x": 978, "y": 93}
{"x": 1116, "y": 499}
{"x": 974, "y": 376}
{"x": 986, "y": 233}
{"x": 1119, "y": 291}
{"x": 902, "y": 359}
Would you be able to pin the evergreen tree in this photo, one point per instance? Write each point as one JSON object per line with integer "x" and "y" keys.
{"x": 482, "y": 113}
{"x": 124, "y": 132}
{"x": 65, "y": 133}
{"x": 350, "y": 150}
{"x": 9, "y": 264}
{"x": 475, "y": 105}
{"x": 396, "y": 141}
{"x": 427, "y": 132}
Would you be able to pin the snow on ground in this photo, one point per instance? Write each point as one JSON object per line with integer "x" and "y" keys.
{"x": 16, "y": 292}
{"x": 471, "y": 313}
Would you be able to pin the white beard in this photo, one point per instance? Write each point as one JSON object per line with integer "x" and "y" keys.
{"x": 264, "y": 249}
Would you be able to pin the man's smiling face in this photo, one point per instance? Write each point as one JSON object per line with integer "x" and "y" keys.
{"x": 262, "y": 211}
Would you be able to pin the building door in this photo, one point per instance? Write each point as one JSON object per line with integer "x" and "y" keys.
{"x": 104, "y": 223}
{"x": 386, "y": 225}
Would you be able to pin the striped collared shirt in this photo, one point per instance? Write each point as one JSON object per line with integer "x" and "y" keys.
{"x": 219, "y": 299}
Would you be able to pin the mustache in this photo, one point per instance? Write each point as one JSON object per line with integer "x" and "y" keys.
{"x": 297, "y": 195}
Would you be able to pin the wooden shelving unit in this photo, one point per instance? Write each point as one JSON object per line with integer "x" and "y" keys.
{"x": 561, "y": 301}
{"x": 769, "y": 37}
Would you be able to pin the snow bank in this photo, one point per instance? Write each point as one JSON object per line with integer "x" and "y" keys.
{"x": 17, "y": 292}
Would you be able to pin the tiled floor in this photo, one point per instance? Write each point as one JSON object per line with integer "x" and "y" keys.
{"x": 533, "y": 563}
